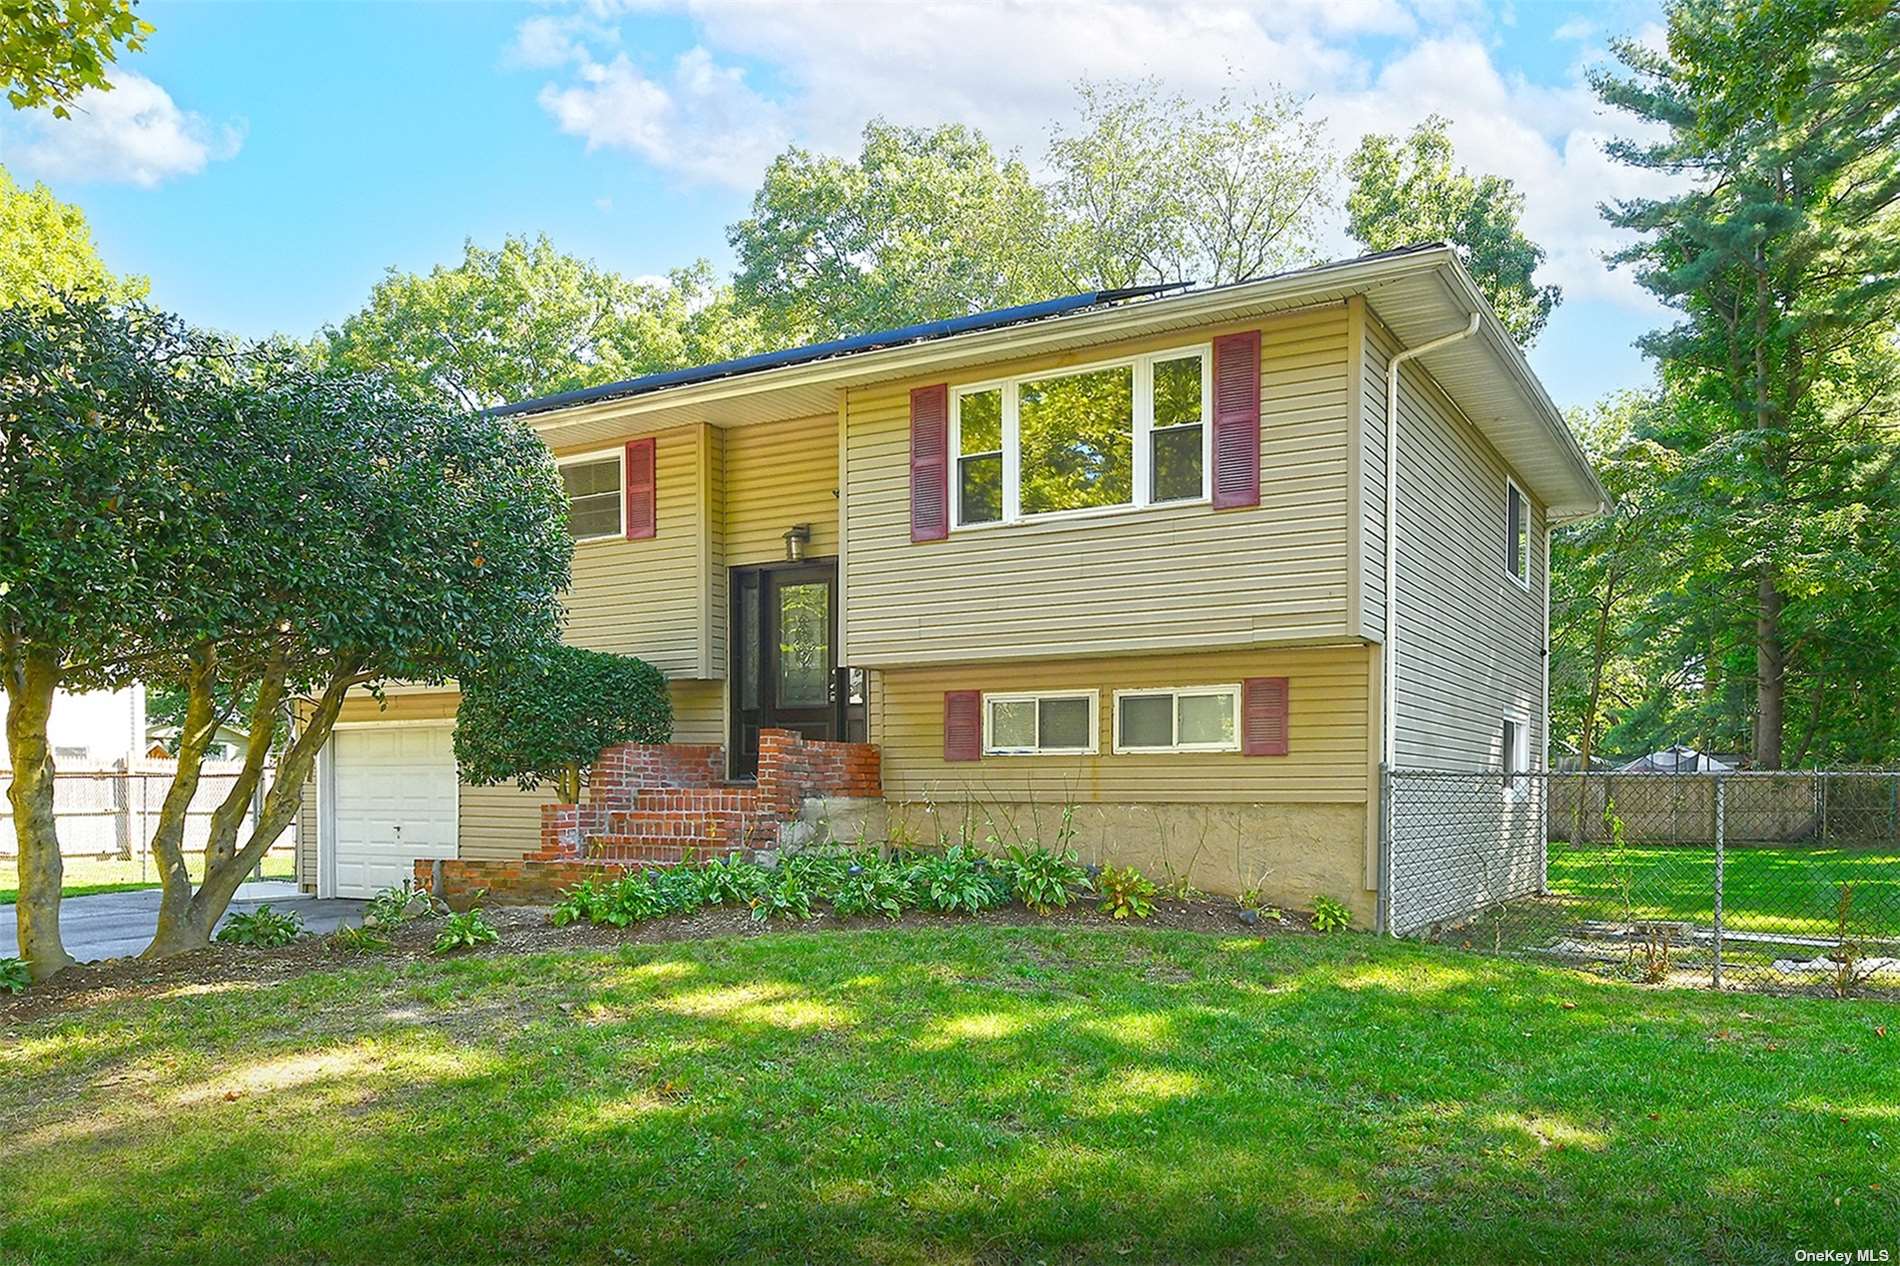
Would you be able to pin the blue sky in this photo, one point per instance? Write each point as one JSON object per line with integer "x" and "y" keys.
{"x": 265, "y": 163}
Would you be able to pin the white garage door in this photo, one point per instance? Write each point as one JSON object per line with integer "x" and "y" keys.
{"x": 395, "y": 803}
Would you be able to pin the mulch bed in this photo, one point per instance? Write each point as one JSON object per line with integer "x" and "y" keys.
{"x": 526, "y": 930}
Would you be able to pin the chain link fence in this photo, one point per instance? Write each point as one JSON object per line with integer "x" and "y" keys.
{"x": 1779, "y": 881}
{"x": 105, "y": 820}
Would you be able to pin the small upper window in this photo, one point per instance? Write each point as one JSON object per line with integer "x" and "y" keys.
{"x": 1517, "y": 534}
{"x": 1057, "y": 723}
{"x": 593, "y": 496}
{"x": 1190, "y": 719}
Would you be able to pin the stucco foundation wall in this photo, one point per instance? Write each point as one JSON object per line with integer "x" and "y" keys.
{"x": 1290, "y": 852}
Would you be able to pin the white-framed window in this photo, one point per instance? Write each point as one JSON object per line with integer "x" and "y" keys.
{"x": 1516, "y": 755}
{"x": 1517, "y": 534}
{"x": 596, "y": 510}
{"x": 1040, "y": 723}
{"x": 1115, "y": 435}
{"x": 1178, "y": 719}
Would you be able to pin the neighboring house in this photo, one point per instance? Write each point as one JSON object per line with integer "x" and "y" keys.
{"x": 1123, "y": 551}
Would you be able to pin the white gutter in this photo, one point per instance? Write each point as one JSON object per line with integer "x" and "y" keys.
{"x": 1388, "y": 688}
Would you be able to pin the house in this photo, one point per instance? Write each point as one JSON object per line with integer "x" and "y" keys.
{"x": 1121, "y": 553}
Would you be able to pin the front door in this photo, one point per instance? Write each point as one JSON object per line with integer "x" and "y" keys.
{"x": 784, "y": 638}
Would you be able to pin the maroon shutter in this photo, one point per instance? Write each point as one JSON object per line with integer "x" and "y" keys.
{"x": 930, "y": 464}
{"x": 962, "y": 725}
{"x": 1263, "y": 716}
{"x": 1237, "y": 420}
{"x": 641, "y": 497}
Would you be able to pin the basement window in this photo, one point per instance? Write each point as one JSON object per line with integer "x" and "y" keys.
{"x": 1186, "y": 719}
{"x": 1050, "y": 723}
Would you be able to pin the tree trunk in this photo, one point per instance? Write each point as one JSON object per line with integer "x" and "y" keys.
{"x": 176, "y": 930}
{"x": 1770, "y": 672}
{"x": 31, "y": 678}
{"x": 1599, "y": 656}
{"x": 192, "y": 927}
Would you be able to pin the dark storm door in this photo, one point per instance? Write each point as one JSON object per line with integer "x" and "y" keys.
{"x": 784, "y": 638}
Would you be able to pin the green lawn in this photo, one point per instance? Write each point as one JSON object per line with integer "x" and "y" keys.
{"x": 108, "y": 874}
{"x": 1764, "y": 888}
{"x": 955, "y": 1093}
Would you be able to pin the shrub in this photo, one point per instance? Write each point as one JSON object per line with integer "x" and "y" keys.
{"x": 821, "y": 871}
{"x": 363, "y": 940}
{"x": 958, "y": 880}
{"x": 465, "y": 931}
{"x": 263, "y": 927}
{"x": 679, "y": 888}
{"x": 1126, "y": 893}
{"x": 1330, "y": 915}
{"x": 1044, "y": 879}
{"x": 545, "y": 717}
{"x": 730, "y": 881}
{"x": 393, "y": 907}
{"x": 585, "y": 902}
{"x": 14, "y": 976}
{"x": 784, "y": 896}
{"x": 874, "y": 885}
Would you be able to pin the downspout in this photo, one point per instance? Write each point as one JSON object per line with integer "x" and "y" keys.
{"x": 1388, "y": 688}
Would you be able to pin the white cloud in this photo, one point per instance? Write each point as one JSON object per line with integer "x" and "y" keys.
{"x": 1011, "y": 73}
{"x": 1575, "y": 29}
{"x": 134, "y": 134}
{"x": 702, "y": 121}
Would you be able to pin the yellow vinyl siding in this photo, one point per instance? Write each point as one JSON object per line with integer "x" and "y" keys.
{"x": 777, "y": 475}
{"x": 1327, "y": 729}
{"x": 1470, "y": 638}
{"x": 651, "y": 598}
{"x": 1129, "y": 581}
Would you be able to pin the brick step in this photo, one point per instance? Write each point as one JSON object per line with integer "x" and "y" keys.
{"x": 627, "y": 850}
{"x": 662, "y": 823}
{"x": 697, "y": 800}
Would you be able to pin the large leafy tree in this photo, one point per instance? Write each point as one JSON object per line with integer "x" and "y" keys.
{"x": 1782, "y": 256}
{"x": 925, "y": 223}
{"x": 89, "y": 397}
{"x": 526, "y": 320}
{"x": 928, "y": 223}
{"x": 53, "y": 50}
{"x": 255, "y": 533}
{"x": 1152, "y": 187}
{"x": 47, "y": 251}
{"x": 1407, "y": 190}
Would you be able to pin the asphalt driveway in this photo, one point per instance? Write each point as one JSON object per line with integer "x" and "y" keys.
{"x": 119, "y": 924}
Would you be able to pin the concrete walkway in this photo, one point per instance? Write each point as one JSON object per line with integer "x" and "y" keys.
{"x": 120, "y": 924}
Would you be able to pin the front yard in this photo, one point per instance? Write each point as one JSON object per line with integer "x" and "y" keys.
{"x": 947, "y": 1092}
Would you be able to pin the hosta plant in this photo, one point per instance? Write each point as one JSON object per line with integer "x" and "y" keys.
{"x": 874, "y": 885}
{"x": 958, "y": 880}
{"x": 730, "y": 881}
{"x": 1126, "y": 892}
{"x": 1330, "y": 915}
{"x": 395, "y": 906}
{"x": 263, "y": 927}
{"x": 1044, "y": 879}
{"x": 465, "y": 931}
{"x": 14, "y": 976}
{"x": 783, "y": 896}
